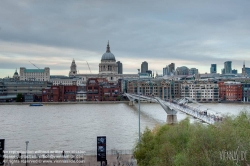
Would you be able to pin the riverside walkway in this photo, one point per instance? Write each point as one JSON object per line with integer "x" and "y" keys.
{"x": 50, "y": 158}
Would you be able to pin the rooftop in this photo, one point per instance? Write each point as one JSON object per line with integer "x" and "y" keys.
{"x": 34, "y": 70}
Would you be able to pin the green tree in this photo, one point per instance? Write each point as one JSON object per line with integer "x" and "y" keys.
{"x": 19, "y": 97}
{"x": 118, "y": 98}
{"x": 193, "y": 144}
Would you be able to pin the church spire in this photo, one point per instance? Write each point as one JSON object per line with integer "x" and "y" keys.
{"x": 108, "y": 48}
{"x": 244, "y": 69}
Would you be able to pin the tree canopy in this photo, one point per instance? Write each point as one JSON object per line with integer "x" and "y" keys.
{"x": 19, "y": 97}
{"x": 189, "y": 144}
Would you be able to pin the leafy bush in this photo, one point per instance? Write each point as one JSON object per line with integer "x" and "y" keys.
{"x": 225, "y": 143}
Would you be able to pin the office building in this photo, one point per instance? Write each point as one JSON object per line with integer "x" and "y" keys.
{"x": 228, "y": 67}
{"x": 165, "y": 71}
{"x": 64, "y": 80}
{"x": 166, "y": 90}
{"x": 213, "y": 68}
{"x": 171, "y": 68}
{"x": 149, "y": 72}
{"x": 34, "y": 74}
{"x": 234, "y": 71}
{"x": 29, "y": 89}
{"x": 223, "y": 71}
{"x": 119, "y": 64}
{"x": 248, "y": 71}
{"x": 182, "y": 70}
{"x": 246, "y": 92}
{"x": 144, "y": 67}
{"x": 200, "y": 90}
{"x": 193, "y": 71}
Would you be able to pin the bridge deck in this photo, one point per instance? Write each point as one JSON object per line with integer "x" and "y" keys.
{"x": 205, "y": 116}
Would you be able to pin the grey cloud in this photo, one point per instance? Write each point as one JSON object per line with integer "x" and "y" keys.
{"x": 174, "y": 30}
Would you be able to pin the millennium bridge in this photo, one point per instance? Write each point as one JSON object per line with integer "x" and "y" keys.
{"x": 172, "y": 107}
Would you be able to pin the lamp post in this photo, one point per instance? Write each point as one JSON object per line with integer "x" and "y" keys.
{"x": 27, "y": 142}
{"x": 139, "y": 105}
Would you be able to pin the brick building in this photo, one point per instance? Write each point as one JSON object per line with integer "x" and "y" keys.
{"x": 59, "y": 93}
{"x": 99, "y": 89}
{"x": 230, "y": 91}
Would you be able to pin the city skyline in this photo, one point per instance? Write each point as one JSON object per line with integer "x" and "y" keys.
{"x": 194, "y": 34}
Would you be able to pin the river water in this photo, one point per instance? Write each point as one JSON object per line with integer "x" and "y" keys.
{"x": 76, "y": 126}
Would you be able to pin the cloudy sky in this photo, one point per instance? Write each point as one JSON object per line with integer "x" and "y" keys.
{"x": 192, "y": 33}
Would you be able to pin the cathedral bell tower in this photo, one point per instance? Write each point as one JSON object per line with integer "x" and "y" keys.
{"x": 73, "y": 70}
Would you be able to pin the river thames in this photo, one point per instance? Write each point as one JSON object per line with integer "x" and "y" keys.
{"x": 76, "y": 126}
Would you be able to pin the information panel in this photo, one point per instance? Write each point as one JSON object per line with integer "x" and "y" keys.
{"x": 1, "y": 151}
{"x": 1, "y": 144}
{"x": 101, "y": 148}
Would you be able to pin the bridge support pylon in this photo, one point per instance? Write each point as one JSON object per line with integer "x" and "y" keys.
{"x": 171, "y": 119}
{"x": 131, "y": 103}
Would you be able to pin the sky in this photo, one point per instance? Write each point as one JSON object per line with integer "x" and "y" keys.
{"x": 193, "y": 33}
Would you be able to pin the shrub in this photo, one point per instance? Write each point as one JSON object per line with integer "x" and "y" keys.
{"x": 196, "y": 143}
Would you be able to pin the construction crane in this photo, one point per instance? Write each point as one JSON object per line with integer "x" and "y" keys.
{"x": 89, "y": 67}
{"x": 34, "y": 65}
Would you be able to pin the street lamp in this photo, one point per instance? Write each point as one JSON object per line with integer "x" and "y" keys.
{"x": 139, "y": 105}
{"x": 26, "y": 150}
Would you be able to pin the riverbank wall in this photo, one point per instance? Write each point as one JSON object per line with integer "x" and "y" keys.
{"x": 61, "y": 103}
{"x": 106, "y": 102}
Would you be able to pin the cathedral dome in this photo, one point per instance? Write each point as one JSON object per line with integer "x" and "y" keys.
{"x": 16, "y": 73}
{"x": 108, "y": 55}
{"x": 15, "y": 76}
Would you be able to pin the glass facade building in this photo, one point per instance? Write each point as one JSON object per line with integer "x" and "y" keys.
{"x": 228, "y": 67}
{"x": 213, "y": 68}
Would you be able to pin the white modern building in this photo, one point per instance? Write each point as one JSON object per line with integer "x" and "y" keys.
{"x": 64, "y": 80}
{"x": 200, "y": 90}
{"x": 34, "y": 74}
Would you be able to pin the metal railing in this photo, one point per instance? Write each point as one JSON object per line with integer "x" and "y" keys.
{"x": 204, "y": 116}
